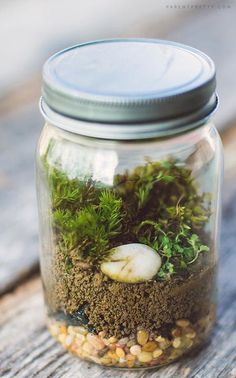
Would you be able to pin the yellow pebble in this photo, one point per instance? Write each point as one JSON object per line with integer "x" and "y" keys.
{"x": 79, "y": 339}
{"x": 150, "y": 346}
{"x": 112, "y": 355}
{"x": 191, "y": 334}
{"x": 80, "y": 330}
{"x": 157, "y": 353}
{"x": 145, "y": 357}
{"x": 112, "y": 340}
{"x": 96, "y": 342}
{"x": 88, "y": 348}
{"x": 123, "y": 341}
{"x": 112, "y": 347}
{"x": 183, "y": 323}
{"x": 176, "y": 342}
{"x": 63, "y": 329}
{"x": 120, "y": 353}
{"x": 176, "y": 332}
{"x": 130, "y": 343}
{"x": 105, "y": 361}
{"x": 142, "y": 337}
{"x": 130, "y": 363}
{"x": 122, "y": 362}
{"x": 160, "y": 339}
{"x": 130, "y": 357}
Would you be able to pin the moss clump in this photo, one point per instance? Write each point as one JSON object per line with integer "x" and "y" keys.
{"x": 157, "y": 204}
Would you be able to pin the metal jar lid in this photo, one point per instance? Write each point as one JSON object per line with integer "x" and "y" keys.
{"x": 128, "y": 88}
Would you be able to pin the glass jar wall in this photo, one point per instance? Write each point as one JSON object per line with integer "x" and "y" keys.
{"x": 129, "y": 236}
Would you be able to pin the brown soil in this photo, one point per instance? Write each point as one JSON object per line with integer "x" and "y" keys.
{"x": 121, "y": 308}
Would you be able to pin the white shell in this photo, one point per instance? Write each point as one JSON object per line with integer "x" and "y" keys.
{"x": 132, "y": 263}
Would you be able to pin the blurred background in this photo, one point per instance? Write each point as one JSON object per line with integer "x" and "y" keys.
{"x": 32, "y": 30}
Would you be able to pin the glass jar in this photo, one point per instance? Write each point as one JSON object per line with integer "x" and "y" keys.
{"x": 129, "y": 170}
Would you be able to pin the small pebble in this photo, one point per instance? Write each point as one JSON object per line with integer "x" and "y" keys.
{"x": 112, "y": 355}
{"x": 105, "y": 361}
{"x": 135, "y": 350}
{"x": 176, "y": 332}
{"x": 123, "y": 341}
{"x": 88, "y": 348}
{"x": 120, "y": 353}
{"x": 80, "y": 330}
{"x": 164, "y": 344}
{"x": 191, "y": 334}
{"x": 160, "y": 339}
{"x": 63, "y": 329}
{"x": 96, "y": 342}
{"x": 131, "y": 343}
{"x": 145, "y": 357}
{"x": 68, "y": 340}
{"x": 188, "y": 343}
{"x": 157, "y": 353}
{"x": 102, "y": 334}
{"x": 142, "y": 337}
{"x": 122, "y": 360}
{"x": 130, "y": 363}
{"x": 79, "y": 339}
{"x": 176, "y": 342}
{"x": 183, "y": 323}
{"x": 112, "y": 339}
{"x": 150, "y": 346}
{"x": 130, "y": 357}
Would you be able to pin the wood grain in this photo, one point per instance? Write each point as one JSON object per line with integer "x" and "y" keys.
{"x": 27, "y": 350}
{"x": 18, "y": 221}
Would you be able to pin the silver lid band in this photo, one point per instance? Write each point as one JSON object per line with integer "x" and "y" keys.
{"x": 129, "y": 131}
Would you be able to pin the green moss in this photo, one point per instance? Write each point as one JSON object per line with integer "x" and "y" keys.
{"x": 157, "y": 204}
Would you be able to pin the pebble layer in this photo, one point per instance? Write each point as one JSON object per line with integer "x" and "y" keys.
{"x": 142, "y": 349}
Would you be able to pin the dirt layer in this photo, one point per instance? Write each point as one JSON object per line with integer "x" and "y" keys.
{"x": 88, "y": 297}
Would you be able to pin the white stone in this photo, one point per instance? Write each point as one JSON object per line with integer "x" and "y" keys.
{"x": 132, "y": 263}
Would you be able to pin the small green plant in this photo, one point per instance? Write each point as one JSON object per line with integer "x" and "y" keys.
{"x": 158, "y": 204}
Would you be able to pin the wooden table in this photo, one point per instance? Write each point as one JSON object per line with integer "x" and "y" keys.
{"x": 26, "y": 348}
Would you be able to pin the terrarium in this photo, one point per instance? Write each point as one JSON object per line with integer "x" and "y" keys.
{"x": 129, "y": 177}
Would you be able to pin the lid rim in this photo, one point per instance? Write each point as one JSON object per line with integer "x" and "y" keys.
{"x": 128, "y": 131}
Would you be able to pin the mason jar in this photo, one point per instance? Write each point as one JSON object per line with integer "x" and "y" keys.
{"x": 129, "y": 168}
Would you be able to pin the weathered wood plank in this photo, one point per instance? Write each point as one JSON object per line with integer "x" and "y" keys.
{"x": 18, "y": 221}
{"x": 27, "y": 350}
